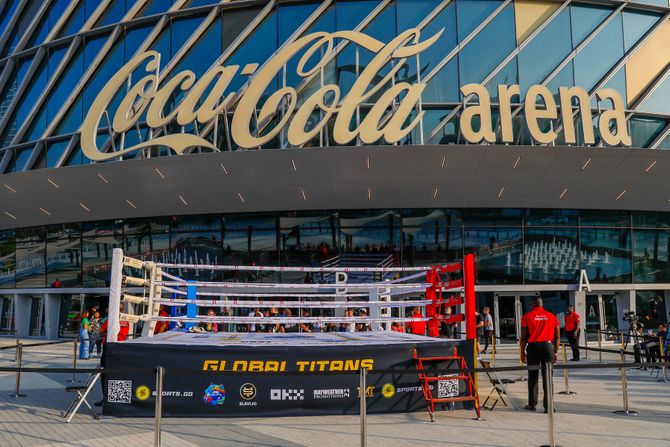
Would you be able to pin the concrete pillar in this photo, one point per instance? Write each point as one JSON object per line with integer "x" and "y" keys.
{"x": 577, "y": 299}
{"x": 22, "y": 313}
{"x": 625, "y": 302}
{"x": 667, "y": 303}
{"x": 51, "y": 315}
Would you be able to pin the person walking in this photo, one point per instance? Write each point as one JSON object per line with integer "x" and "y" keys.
{"x": 572, "y": 329}
{"x": 488, "y": 328}
{"x": 94, "y": 335}
{"x": 84, "y": 326}
{"x": 540, "y": 334}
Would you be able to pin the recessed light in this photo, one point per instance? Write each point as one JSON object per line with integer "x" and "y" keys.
{"x": 85, "y": 207}
{"x": 10, "y": 188}
{"x": 651, "y": 166}
{"x": 563, "y": 193}
{"x": 501, "y": 192}
{"x": 224, "y": 168}
{"x": 158, "y": 171}
{"x": 621, "y": 195}
{"x": 45, "y": 211}
{"x": 240, "y": 196}
{"x": 367, "y": 162}
{"x": 14, "y": 217}
{"x": 102, "y": 178}
{"x": 53, "y": 183}
{"x": 183, "y": 200}
{"x": 586, "y": 164}
{"x": 304, "y": 196}
{"x": 295, "y": 168}
{"x": 369, "y": 193}
{"x": 444, "y": 161}
{"x": 435, "y": 193}
{"x": 131, "y": 203}
{"x": 516, "y": 163}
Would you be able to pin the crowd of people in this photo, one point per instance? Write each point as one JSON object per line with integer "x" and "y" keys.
{"x": 93, "y": 332}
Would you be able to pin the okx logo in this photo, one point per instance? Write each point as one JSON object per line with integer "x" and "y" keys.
{"x": 287, "y": 394}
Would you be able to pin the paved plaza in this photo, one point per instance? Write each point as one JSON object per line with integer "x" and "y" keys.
{"x": 585, "y": 419}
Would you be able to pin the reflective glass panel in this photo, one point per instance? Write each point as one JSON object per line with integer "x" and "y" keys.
{"x": 7, "y": 258}
{"x": 599, "y": 55}
{"x": 650, "y": 261}
{"x": 650, "y": 307}
{"x": 471, "y": 13}
{"x": 636, "y": 24}
{"x": 651, "y": 219}
{"x": 585, "y": 18}
{"x": 64, "y": 256}
{"x": 550, "y": 255}
{"x": 643, "y": 131}
{"x": 30, "y": 251}
{"x": 606, "y": 254}
{"x": 498, "y": 254}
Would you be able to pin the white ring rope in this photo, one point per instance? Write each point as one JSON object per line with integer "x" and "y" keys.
{"x": 284, "y": 320}
{"x": 271, "y": 294}
{"x": 292, "y": 304}
{"x": 264, "y": 268}
{"x": 265, "y": 285}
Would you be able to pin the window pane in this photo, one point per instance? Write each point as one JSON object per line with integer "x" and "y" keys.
{"x": 585, "y": 19}
{"x": 643, "y": 131}
{"x": 497, "y": 254}
{"x": 651, "y": 219}
{"x": 7, "y": 258}
{"x": 428, "y": 239}
{"x": 492, "y": 217}
{"x": 542, "y": 217}
{"x": 64, "y": 256}
{"x": 651, "y": 262}
{"x": 606, "y": 254}
{"x": 30, "y": 269}
{"x": 600, "y": 55}
{"x": 601, "y": 218}
{"x": 471, "y": 13}
{"x": 636, "y": 24}
{"x": 650, "y": 307}
{"x": 308, "y": 238}
{"x": 201, "y": 247}
{"x": 551, "y": 255}
{"x": 250, "y": 240}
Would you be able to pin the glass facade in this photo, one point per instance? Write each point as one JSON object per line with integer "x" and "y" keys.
{"x": 512, "y": 246}
{"x": 53, "y": 69}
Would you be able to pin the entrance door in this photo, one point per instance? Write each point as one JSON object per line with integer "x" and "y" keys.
{"x": 507, "y": 317}
{"x": 6, "y": 314}
{"x": 594, "y": 316}
{"x": 37, "y": 328}
{"x": 610, "y": 320}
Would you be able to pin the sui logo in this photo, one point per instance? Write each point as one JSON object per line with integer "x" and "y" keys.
{"x": 214, "y": 395}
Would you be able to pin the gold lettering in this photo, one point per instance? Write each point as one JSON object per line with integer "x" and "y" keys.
{"x": 337, "y": 365}
{"x": 351, "y": 365}
{"x": 482, "y": 110}
{"x": 505, "y": 94}
{"x": 296, "y": 130}
{"x": 256, "y": 366}
{"x": 617, "y": 115}
{"x": 566, "y": 94}
{"x": 240, "y": 365}
{"x": 302, "y": 364}
{"x": 368, "y": 363}
{"x": 183, "y": 81}
{"x": 533, "y": 114}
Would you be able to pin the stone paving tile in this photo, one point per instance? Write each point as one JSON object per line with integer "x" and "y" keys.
{"x": 135, "y": 440}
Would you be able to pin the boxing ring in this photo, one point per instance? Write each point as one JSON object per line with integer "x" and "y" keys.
{"x": 222, "y": 374}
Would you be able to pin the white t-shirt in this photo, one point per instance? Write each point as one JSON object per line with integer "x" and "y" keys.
{"x": 488, "y": 322}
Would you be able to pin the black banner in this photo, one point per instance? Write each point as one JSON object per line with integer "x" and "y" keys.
{"x": 270, "y": 380}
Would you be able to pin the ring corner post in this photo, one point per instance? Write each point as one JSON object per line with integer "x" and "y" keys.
{"x": 469, "y": 289}
{"x": 115, "y": 292}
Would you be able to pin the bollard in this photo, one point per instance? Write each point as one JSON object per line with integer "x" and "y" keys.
{"x": 159, "y": 405}
{"x": 600, "y": 352}
{"x": 624, "y": 390}
{"x": 19, "y": 360}
{"x": 74, "y": 361}
{"x": 363, "y": 404}
{"x": 565, "y": 375}
{"x": 550, "y": 404}
{"x": 493, "y": 352}
{"x": 661, "y": 354}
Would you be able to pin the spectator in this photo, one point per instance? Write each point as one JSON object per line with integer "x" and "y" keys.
{"x": 288, "y": 327}
{"x": 84, "y": 326}
{"x": 397, "y": 327}
{"x": 94, "y": 335}
{"x": 488, "y": 328}
{"x": 447, "y": 329}
{"x": 210, "y": 326}
{"x": 305, "y": 327}
{"x": 572, "y": 331}
{"x": 255, "y": 313}
{"x": 162, "y": 326}
{"x": 479, "y": 325}
{"x": 350, "y": 326}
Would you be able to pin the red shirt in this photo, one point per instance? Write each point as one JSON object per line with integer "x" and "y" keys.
{"x": 417, "y": 327}
{"x": 124, "y": 327}
{"x": 571, "y": 321}
{"x": 397, "y": 328}
{"x": 541, "y": 325}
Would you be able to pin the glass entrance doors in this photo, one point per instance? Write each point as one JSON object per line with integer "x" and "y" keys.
{"x": 37, "y": 328}
{"x": 507, "y": 312}
{"x": 6, "y": 314}
{"x": 601, "y": 313}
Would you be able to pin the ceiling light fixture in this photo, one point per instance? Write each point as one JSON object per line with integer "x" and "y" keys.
{"x": 516, "y": 163}
{"x": 444, "y": 160}
{"x": 501, "y": 192}
{"x": 621, "y": 195}
{"x": 586, "y": 164}
{"x": 295, "y": 168}
{"x": 563, "y": 193}
{"x": 14, "y": 217}
{"x": 182, "y": 199}
{"x": 650, "y": 166}
{"x": 304, "y": 196}
{"x": 241, "y": 198}
{"x": 369, "y": 193}
{"x": 102, "y": 178}
{"x": 53, "y": 183}
{"x": 224, "y": 168}
{"x": 10, "y": 188}
{"x": 435, "y": 194}
{"x": 131, "y": 204}
{"x": 45, "y": 211}
{"x": 367, "y": 162}
{"x": 85, "y": 207}
{"x": 159, "y": 173}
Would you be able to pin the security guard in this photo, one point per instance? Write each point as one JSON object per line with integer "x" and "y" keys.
{"x": 540, "y": 333}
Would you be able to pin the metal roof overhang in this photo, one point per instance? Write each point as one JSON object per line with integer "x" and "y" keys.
{"x": 374, "y": 177}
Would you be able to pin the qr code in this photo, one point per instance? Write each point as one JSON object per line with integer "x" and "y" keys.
{"x": 447, "y": 388}
{"x": 119, "y": 391}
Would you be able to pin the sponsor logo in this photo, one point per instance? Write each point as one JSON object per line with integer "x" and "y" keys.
{"x": 248, "y": 393}
{"x": 410, "y": 389}
{"x": 287, "y": 394}
{"x": 369, "y": 391}
{"x": 334, "y": 393}
{"x": 388, "y": 390}
{"x": 142, "y": 392}
{"x": 214, "y": 395}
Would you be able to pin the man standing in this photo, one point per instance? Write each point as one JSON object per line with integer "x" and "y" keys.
{"x": 488, "y": 328}
{"x": 540, "y": 333}
{"x": 416, "y": 327}
{"x": 572, "y": 331}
